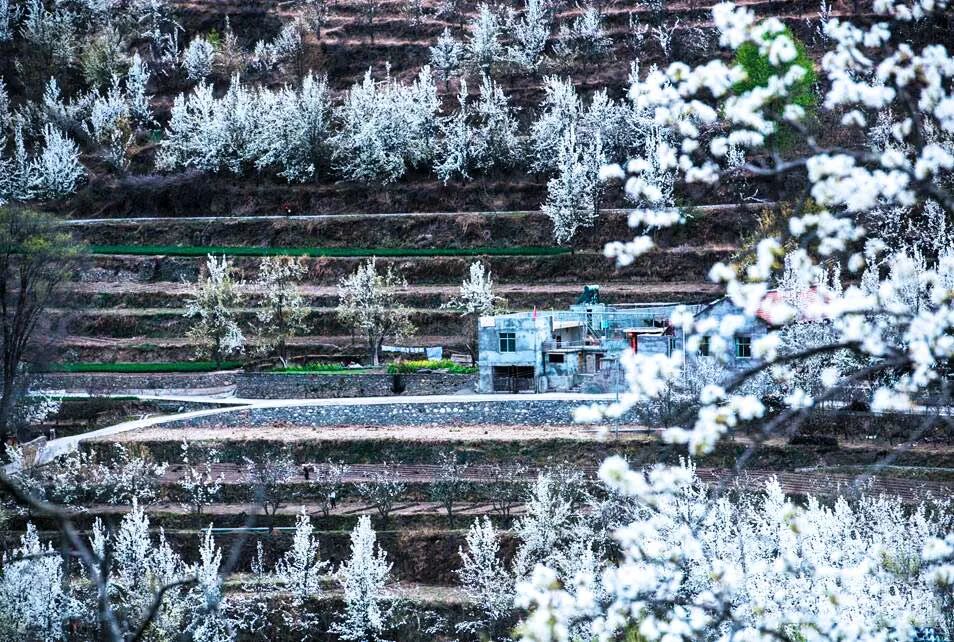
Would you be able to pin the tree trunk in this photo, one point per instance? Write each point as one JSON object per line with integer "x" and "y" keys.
{"x": 472, "y": 345}
{"x": 6, "y": 408}
{"x": 373, "y": 349}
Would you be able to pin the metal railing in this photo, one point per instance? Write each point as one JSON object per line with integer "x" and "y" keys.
{"x": 551, "y": 345}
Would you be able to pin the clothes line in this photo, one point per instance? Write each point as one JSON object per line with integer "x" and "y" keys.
{"x": 436, "y": 352}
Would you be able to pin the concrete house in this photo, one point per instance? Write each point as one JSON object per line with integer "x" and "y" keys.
{"x": 739, "y": 350}
{"x": 809, "y": 307}
{"x": 578, "y": 348}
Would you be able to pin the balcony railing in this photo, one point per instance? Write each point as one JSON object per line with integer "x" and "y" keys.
{"x": 550, "y": 346}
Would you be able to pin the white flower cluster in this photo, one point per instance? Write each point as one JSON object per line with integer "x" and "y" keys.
{"x": 697, "y": 564}
{"x": 386, "y": 127}
{"x": 39, "y": 602}
{"x": 476, "y": 137}
{"x": 889, "y": 331}
{"x": 283, "y": 129}
{"x": 213, "y": 302}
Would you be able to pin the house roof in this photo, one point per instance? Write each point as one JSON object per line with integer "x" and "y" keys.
{"x": 809, "y": 306}
{"x": 650, "y": 330}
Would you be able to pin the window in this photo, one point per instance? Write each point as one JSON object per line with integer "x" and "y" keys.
{"x": 555, "y": 357}
{"x": 704, "y": 346}
{"x": 743, "y": 347}
{"x": 508, "y": 342}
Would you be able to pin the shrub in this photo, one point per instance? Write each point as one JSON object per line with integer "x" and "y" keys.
{"x": 759, "y": 70}
{"x": 408, "y": 367}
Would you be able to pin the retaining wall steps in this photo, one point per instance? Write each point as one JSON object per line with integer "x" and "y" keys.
{"x": 260, "y": 385}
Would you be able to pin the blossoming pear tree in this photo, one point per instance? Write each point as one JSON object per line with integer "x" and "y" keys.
{"x": 902, "y": 350}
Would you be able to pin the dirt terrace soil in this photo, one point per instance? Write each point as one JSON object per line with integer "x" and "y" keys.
{"x": 677, "y": 263}
{"x": 343, "y": 509}
{"x": 709, "y": 224}
{"x": 133, "y": 295}
{"x": 142, "y": 348}
{"x": 793, "y": 483}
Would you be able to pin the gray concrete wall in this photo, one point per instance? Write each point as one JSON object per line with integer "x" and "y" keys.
{"x": 753, "y": 328}
{"x": 529, "y": 333}
{"x": 263, "y": 385}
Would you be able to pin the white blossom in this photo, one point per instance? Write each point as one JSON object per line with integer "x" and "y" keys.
{"x": 363, "y": 578}
{"x": 212, "y": 304}
{"x": 485, "y": 580}
{"x": 484, "y": 46}
{"x": 367, "y": 303}
{"x": 529, "y": 32}
{"x": 198, "y": 58}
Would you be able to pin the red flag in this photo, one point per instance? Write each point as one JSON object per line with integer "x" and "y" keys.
{"x": 534, "y": 312}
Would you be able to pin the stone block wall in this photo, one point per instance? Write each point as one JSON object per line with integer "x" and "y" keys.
{"x": 511, "y": 412}
{"x": 261, "y": 385}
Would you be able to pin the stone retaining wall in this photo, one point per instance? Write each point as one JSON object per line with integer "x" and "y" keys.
{"x": 261, "y": 385}
{"x": 529, "y": 412}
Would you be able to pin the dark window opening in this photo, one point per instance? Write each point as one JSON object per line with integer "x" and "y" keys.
{"x": 555, "y": 358}
{"x": 704, "y": 346}
{"x": 508, "y": 342}
{"x": 743, "y": 347}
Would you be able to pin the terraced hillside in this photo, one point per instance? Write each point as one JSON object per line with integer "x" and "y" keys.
{"x": 130, "y": 296}
{"x": 245, "y": 487}
{"x": 499, "y": 463}
{"x": 149, "y": 232}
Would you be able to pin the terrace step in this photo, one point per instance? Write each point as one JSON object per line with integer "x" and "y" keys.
{"x": 709, "y": 223}
{"x": 340, "y": 348}
{"x": 154, "y": 323}
{"x": 681, "y": 264}
{"x": 129, "y": 294}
